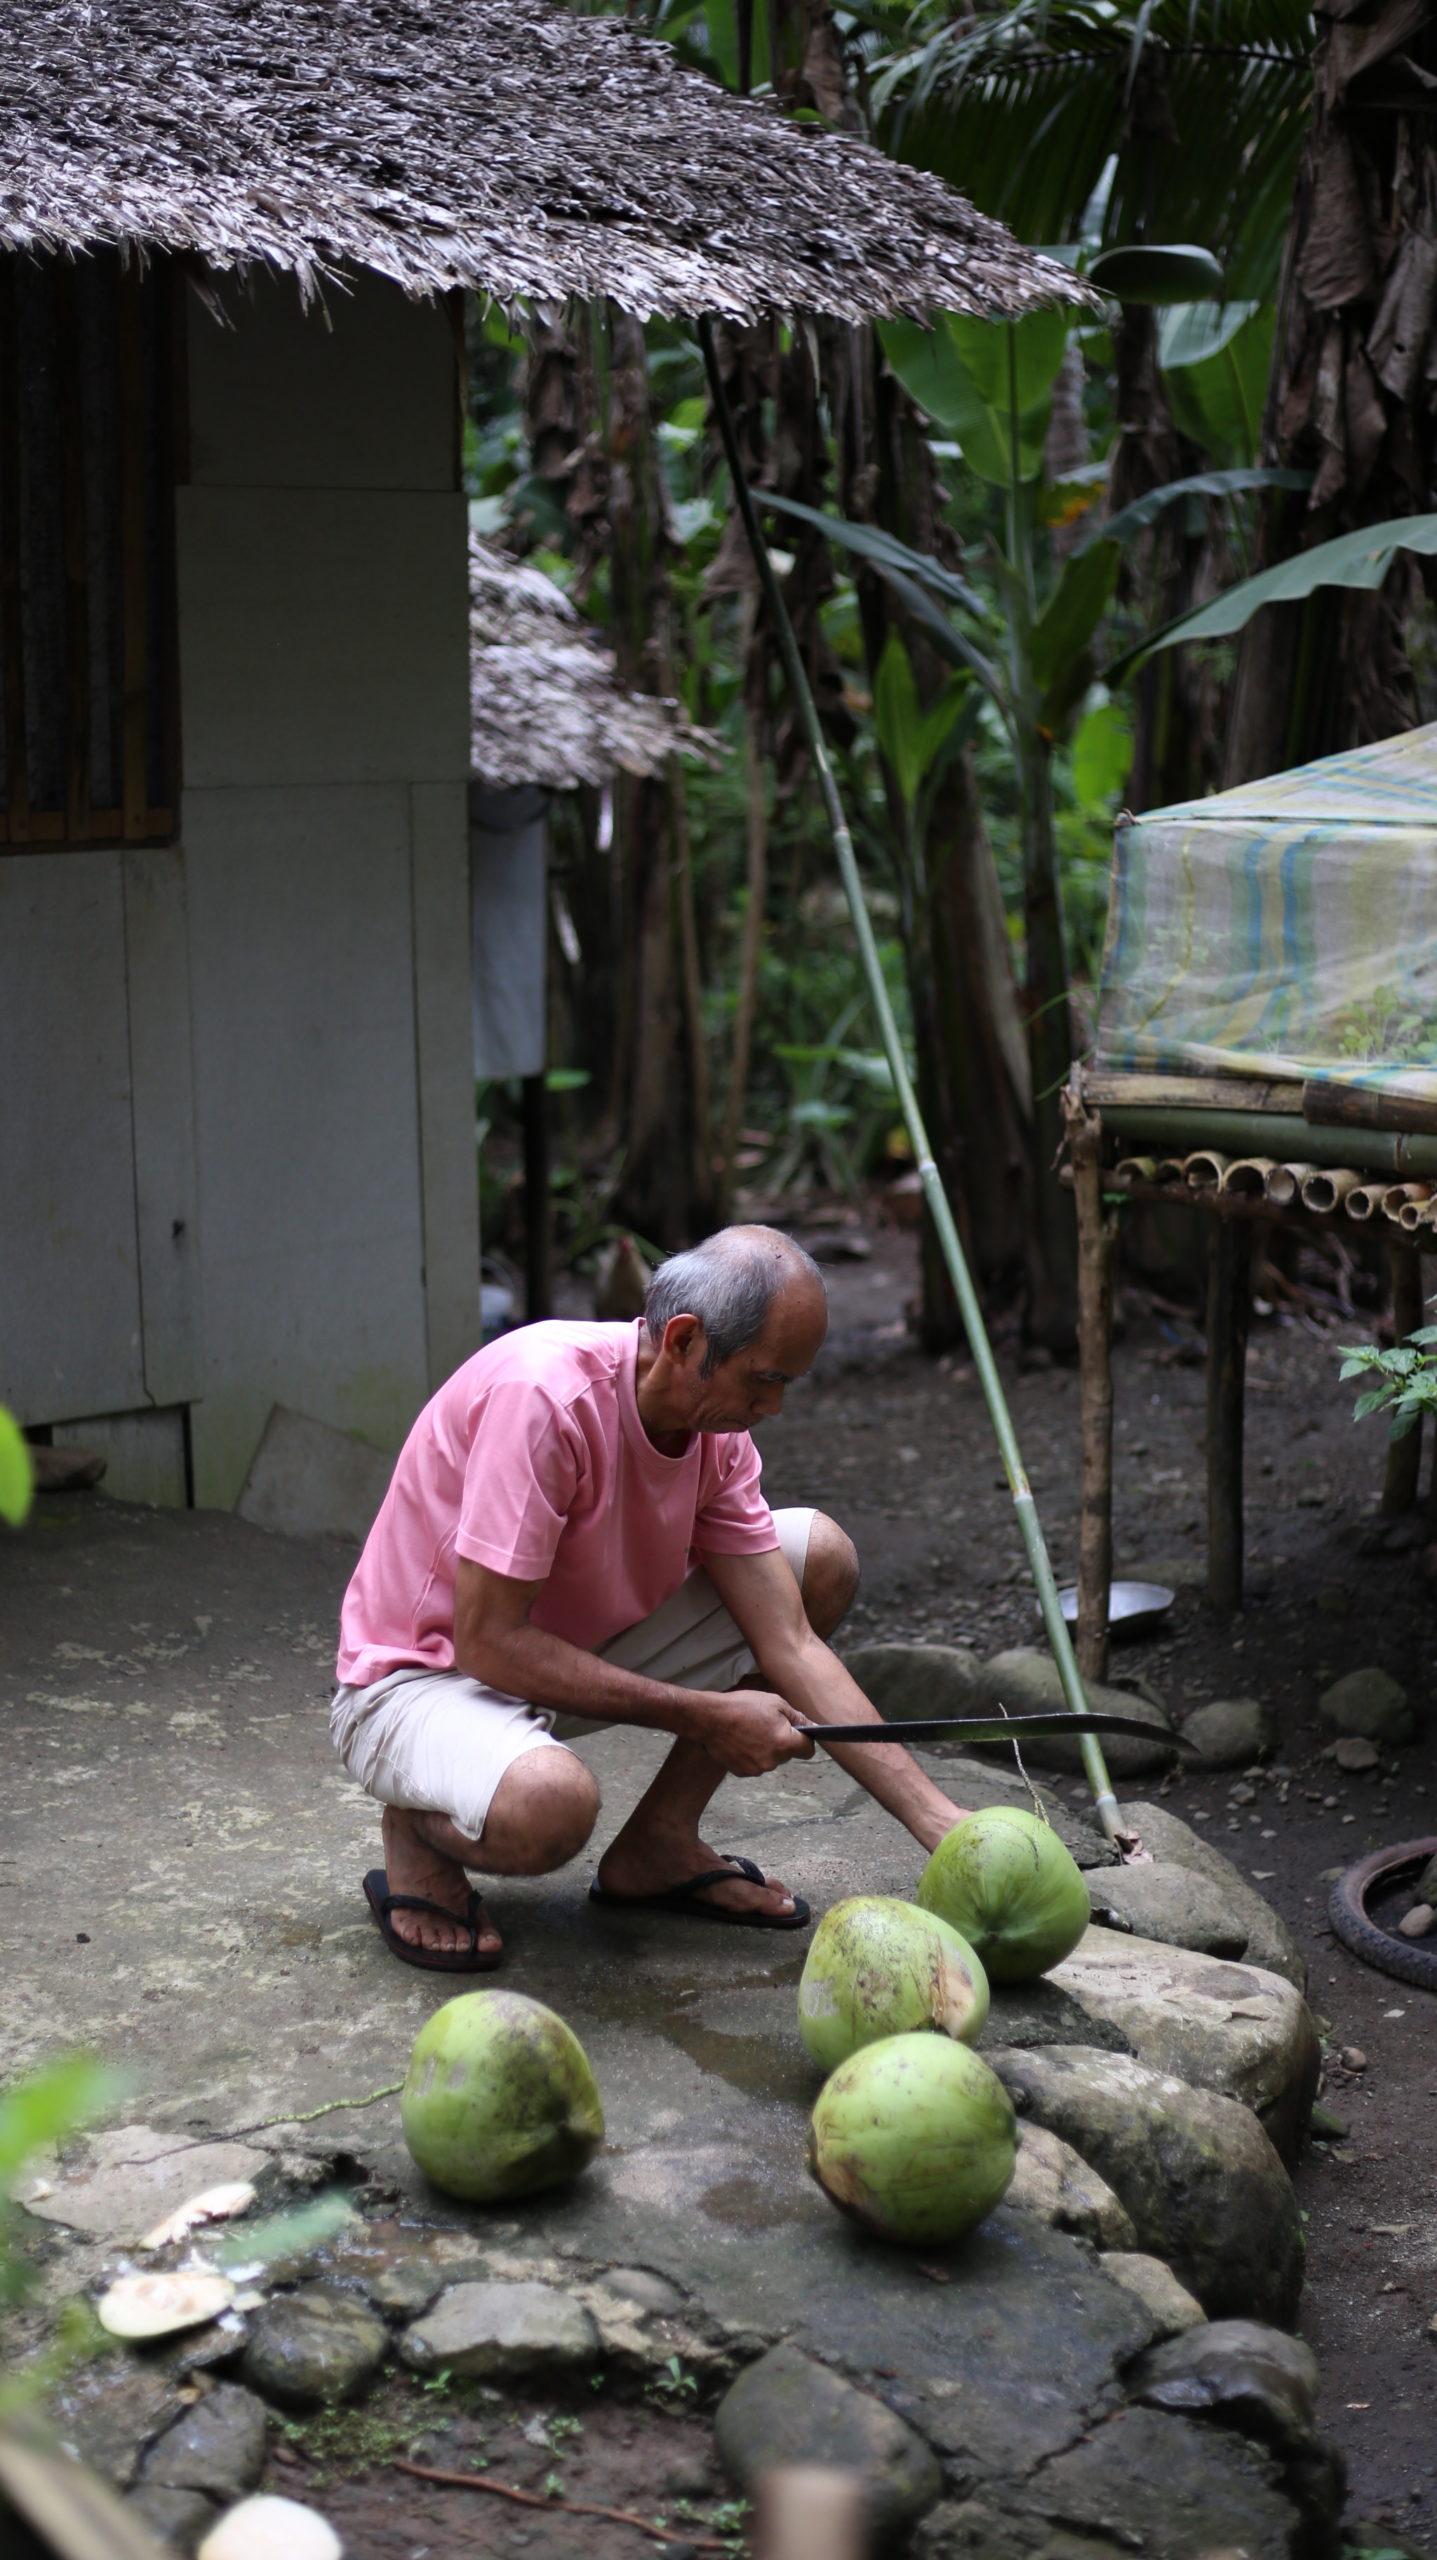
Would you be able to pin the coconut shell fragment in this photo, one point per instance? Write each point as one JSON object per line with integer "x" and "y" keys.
{"x": 155, "y": 2306}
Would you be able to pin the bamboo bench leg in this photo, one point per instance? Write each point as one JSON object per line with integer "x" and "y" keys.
{"x": 1229, "y": 1298}
{"x": 1404, "y": 1457}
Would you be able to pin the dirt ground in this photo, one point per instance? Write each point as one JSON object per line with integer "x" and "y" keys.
{"x": 900, "y": 1451}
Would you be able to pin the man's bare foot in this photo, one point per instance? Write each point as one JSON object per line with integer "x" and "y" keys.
{"x": 654, "y": 1862}
{"x": 413, "y": 1866}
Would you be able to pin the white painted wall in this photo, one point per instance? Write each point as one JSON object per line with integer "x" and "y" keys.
{"x": 324, "y": 708}
{"x": 237, "y": 1138}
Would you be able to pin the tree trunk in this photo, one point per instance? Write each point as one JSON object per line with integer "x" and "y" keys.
{"x": 1349, "y": 398}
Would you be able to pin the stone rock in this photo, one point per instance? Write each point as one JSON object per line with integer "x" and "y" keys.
{"x": 1026, "y": 1681}
{"x": 1053, "y": 2183}
{"x": 1157, "y": 2288}
{"x": 1241, "y": 2373}
{"x": 1153, "y": 2483}
{"x": 218, "y": 2446}
{"x": 907, "y": 1680}
{"x": 1025, "y": 2014}
{"x": 641, "y": 2285}
{"x": 1234, "y": 2029}
{"x": 1353, "y": 1752}
{"x": 1170, "y": 1904}
{"x": 313, "y": 2346}
{"x": 1368, "y": 1702}
{"x": 117, "y": 2409}
{"x": 127, "y": 2179}
{"x": 1201, "y": 2182}
{"x": 1417, "y": 1923}
{"x": 501, "y": 2328}
{"x": 1230, "y": 1733}
{"x": 789, "y": 2409}
{"x": 1174, "y": 1843}
{"x": 176, "y": 2517}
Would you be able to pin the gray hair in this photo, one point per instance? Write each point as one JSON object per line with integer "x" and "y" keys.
{"x": 730, "y": 1283}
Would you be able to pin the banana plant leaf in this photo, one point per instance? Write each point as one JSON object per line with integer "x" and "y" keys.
{"x": 972, "y": 375}
{"x": 1357, "y": 560}
{"x": 1201, "y": 484}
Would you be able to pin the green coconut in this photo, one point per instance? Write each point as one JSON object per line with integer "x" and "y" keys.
{"x": 499, "y": 2099}
{"x": 880, "y": 1967}
{"x": 915, "y": 2138}
{"x": 1004, "y": 1879}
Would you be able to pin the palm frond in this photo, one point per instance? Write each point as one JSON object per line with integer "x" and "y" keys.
{"x": 1027, "y": 107}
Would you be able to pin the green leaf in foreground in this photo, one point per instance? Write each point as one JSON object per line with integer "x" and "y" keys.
{"x": 1360, "y": 560}
{"x": 17, "y": 1475}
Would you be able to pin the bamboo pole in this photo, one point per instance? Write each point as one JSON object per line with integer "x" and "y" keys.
{"x": 1271, "y": 1133}
{"x": 1369, "y": 1200}
{"x": 1329, "y": 1187}
{"x": 934, "y": 1194}
{"x": 1096, "y": 1235}
{"x": 1204, "y": 1170}
{"x": 1284, "y": 1183}
{"x": 1249, "y": 1177}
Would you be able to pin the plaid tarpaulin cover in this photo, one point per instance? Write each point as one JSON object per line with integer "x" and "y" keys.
{"x": 1288, "y": 927}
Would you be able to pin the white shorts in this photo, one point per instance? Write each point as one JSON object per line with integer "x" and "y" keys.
{"x": 439, "y": 1742}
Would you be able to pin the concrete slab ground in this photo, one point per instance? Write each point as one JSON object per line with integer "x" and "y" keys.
{"x": 180, "y": 1893}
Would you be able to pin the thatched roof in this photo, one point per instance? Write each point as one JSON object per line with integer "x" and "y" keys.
{"x": 495, "y": 144}
{"x": 547, "y": 705}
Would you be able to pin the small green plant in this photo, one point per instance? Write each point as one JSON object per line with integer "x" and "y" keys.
{"x": 559, "y": 2431}
{"x": 1405, "y": 1378}
{"x": 673, "y": 2385}
{"x": 729, "y": 2520}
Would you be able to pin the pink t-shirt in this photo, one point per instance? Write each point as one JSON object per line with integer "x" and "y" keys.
{"x": 532, "y": 1460}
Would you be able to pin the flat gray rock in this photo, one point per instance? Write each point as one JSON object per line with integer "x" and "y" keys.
{"x": 313, "y": 2347}
{"x": 1026, "y": 1682}
{"x": 176, "y": 2517}
{"x": 1153, "y": 2483}
{"x": 1201, "y": 2182}
{"x": 1170, "y": 1904}
{"x": 502, "y": 2329}
{"x": 1230, "y": 1733}
{"x": 1053, "y": 2182}
{"x": 1025, "y": 2014}
{"x": 1173, "y": 1842}
{"x": 1231, "y": 2028}
{"x": 788, "y": 2408}
{"x": 1368, "y": 1702}
{"x": 128, "y": 2178}
{"x": 217, "y": 2446}
{"x": 113, "y": 2410}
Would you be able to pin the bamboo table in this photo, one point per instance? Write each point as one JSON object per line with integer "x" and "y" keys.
{"x": 1311, "y": 1155}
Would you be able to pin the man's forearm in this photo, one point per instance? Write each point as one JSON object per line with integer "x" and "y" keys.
{"x": 809, "y": 1675}
{"x": 526, "y": 1662}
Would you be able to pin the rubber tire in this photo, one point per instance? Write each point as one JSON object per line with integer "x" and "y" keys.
{"x": 1405, "y": 1958}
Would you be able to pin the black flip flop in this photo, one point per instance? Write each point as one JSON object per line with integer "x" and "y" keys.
{"x": 680, "y": 1898}
{"x": 429, "y": 1959}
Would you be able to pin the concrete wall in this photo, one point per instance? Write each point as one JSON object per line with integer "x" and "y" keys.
{"x": 237, "y": 1152}
{"x": 324, "y": 702}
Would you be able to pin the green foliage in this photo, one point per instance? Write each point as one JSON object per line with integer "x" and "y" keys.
{"x": 17, "y": 1475}
{"x": 672, "y": 2385}
{"x": 978, "y": 377}
{"x": 1406, "y": 1378}
{"x": 1361, "y": 560}
{"x": 1102, "y": 756}
{"x": 1216, "y": 358}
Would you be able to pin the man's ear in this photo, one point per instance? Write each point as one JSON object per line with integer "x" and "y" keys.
{"x": 684, "y": 1341}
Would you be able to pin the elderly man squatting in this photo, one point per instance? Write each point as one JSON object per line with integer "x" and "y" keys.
{"x": 575, "y": 1530}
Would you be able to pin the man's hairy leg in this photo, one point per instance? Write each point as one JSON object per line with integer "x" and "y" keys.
{"x": 542, "y": 1812}
{"x": 661, "y": 1844}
